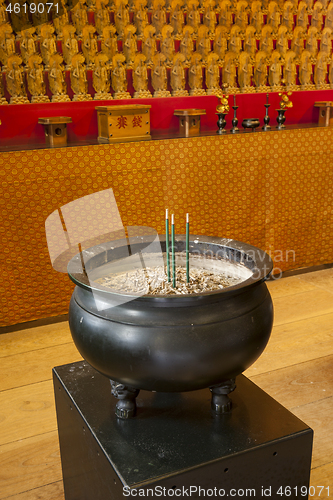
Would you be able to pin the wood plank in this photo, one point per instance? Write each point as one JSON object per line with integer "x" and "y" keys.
{"x": 284, "y": 287}
{"x": 323, "y": 476}
{"x": 299, "y": 384}
{"x": 321, "y": 279}
{"x": 54, "y": 491}
{"x": 35, "y": 366}
{"x": 296, "y": 342}
{"x": 34, "y": 338}
{"x": 318, "y": 416}
{"x": 28, "y": 464}
{"x": 27, "y": 411}
{"x": 302, "y": 305}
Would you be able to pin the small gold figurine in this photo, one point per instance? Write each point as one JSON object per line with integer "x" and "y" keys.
{"x": 57, "y": 82}
{"x": 35, "y": 79}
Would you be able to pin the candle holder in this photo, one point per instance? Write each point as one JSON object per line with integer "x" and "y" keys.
{"x": 221, "y": 123}
{"x": 234, "y": 121}
{"x": 266, "y": 118}
{"x": 280, "y": 119}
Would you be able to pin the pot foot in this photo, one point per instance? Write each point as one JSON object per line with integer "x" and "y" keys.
{"x": 221, "y": 403}
{"x": 126, "y": 406}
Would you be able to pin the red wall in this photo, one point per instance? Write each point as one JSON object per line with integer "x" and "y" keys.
{"x": 20, "y": 128}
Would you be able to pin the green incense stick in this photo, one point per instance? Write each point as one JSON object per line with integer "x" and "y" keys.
{"x": 173, "y": 250}
{"x": 167, "y": 251}
{"x": 187, "y": 248}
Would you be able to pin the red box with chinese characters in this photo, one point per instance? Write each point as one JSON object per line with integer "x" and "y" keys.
{"x": 123, "y": 123}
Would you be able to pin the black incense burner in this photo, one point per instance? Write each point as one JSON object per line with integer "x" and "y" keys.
{"x": 251, "y": 123}
{"x": 172, "y": 343}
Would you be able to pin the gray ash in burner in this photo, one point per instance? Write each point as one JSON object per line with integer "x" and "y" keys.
{"x": 152, "y": 280}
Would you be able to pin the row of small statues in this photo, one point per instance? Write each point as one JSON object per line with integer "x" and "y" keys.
{"x": 229, "y": 50}
{"x": 103, "y": 77}
{"x": 243, "y": 15}
{"x": 109, "y": 46}
{"x": 226, "y": 13}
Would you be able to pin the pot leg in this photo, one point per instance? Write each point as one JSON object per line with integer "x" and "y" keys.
{"x": 221, "y": 403}
{"x": 126, "y": 406}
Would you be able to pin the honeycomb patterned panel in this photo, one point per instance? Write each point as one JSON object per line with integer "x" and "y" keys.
{"x": 273, "y": 190}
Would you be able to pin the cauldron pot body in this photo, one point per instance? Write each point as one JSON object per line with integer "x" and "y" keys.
{"x": 174, "y": 343}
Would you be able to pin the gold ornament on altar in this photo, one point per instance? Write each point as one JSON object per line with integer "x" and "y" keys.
{"x": 35, "y": 79}
{"x": 285, "y": 102}
{"x": 223, "y": 107}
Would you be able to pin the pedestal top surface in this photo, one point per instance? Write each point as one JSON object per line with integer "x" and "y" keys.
{"x": 174, "y": 431}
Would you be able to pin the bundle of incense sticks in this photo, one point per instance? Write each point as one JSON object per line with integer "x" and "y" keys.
{"x": 167, "y": 248}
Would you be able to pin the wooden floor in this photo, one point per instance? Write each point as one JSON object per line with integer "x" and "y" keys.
{"x": 296, "y": 369}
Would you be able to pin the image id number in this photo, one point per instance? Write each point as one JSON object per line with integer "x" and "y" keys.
{"x": 17, "y": 8}
{"x": 304, "y": 491}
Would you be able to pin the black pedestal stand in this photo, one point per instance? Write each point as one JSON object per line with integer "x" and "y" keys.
{"x": 258, "y": 449}
{"x": 234, "y": 121}
{"x": 266, "y": 118}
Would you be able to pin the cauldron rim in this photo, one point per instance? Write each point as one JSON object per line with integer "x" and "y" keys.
{"x": 263, "y": 267}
